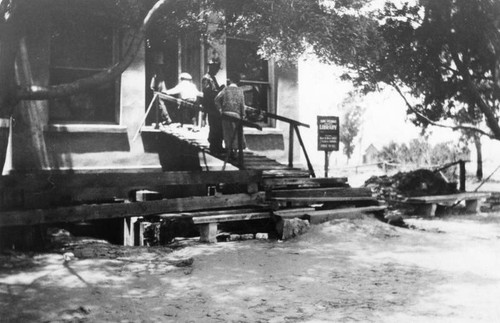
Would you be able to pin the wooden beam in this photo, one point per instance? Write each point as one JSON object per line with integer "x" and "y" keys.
{"x": 319, "y": 199}
{"x": 106, "y": 211}
{"x": 324, "y": 192}
{"x": 208, "y": 213}
{"x": 448, "y": 198}
{"x": 232, "y": 217}
{"x": 322, "y": 216}
{"x": 304, "y": 181}
{"x": 304, "y": 150}
{"x": 50, "y": 181}
{"x": 294, "y": 213}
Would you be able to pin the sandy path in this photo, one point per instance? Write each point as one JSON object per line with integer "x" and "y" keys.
{"x": 346, "y": 271}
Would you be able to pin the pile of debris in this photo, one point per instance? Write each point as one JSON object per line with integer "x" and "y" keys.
{"x": 421, "y": 182}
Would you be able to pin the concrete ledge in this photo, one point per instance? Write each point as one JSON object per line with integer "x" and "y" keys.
{"x": 79, "y": 128}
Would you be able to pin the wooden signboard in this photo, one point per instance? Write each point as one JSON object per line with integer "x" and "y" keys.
{"x": 328, "y": 133}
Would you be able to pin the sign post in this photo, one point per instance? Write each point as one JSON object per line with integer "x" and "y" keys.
{"x": 328, "y": 137}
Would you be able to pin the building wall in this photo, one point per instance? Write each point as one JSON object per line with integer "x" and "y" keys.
{"x": 38, "y": 144}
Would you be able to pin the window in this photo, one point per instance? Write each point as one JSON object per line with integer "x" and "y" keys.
{"x": 81, "y": 45}
{"x": 242, "y": 58}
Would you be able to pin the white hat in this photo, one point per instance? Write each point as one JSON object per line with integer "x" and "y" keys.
{"x": 185, "y": 76}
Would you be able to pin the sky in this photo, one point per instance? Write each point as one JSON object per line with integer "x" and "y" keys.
{"x": 321, "y": 92}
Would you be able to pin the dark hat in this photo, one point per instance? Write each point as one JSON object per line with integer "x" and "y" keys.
{"x": 213, "y": 61}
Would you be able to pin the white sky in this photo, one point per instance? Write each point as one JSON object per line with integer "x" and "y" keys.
{"x": 321, "y": 92}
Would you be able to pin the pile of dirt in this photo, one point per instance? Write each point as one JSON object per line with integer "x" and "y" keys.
{"x": 421, "y": 182}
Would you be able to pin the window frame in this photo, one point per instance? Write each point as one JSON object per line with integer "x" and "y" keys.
{"x": 270, "y": 83}
{"x": 116, "y": 84}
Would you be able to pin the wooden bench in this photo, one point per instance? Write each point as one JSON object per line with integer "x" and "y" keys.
{"x": 208, "y": 224}
{"x": 427, "y": 205}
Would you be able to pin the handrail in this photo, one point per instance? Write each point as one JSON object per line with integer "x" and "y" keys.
{"x": 294, "y": 127}
{"x": 285, "y": 119}
{"x": 445, "y": 166}
{"x": 244, "y": 122}
{"x": 461, "y": 164}
{"x": 184, "y": 103}
{"x": 278, "y": 117}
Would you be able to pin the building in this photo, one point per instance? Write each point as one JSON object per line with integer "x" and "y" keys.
{"x": 94, "y": 130}
{"x": 371, "y": 155}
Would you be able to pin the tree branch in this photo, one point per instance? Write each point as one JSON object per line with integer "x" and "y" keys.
{"x": 491, "y": 119}
{"x": 437, "y": 124}
{"x": 44, "y": 93}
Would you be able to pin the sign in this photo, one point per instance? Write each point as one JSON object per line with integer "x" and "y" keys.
{"x": 328, "y": 133}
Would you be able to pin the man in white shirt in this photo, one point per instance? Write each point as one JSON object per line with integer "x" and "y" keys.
{"x": 186, "y": 90}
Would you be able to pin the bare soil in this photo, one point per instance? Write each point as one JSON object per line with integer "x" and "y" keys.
{"x": 357, "y": 270}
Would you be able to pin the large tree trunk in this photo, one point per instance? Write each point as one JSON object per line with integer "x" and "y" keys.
{"x": 10, "y": 33}
{"x": 479, "y": 155}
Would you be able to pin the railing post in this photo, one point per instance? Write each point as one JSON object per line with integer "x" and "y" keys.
{"x": 290, "y": 145}
{"x": 461, "y": 164}
{"x": 309, "y": 165}
{"x": 240, "y": 145}
{"x": 157, "y": 111}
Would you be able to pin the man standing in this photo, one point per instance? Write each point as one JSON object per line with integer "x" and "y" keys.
{"x": 211, "y": 88}
{"x": 158, "y": 85}
{"x": 186, "y": 90}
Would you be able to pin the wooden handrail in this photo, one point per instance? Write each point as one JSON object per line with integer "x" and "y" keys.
{"x": 445, "y": 166}
{"x": 181, "y": 102}
{"x": 285, "y": 119}
{"x": 244, "y": 122}
{"x": 278, "y": 117}
{"x": 294, "y": 127}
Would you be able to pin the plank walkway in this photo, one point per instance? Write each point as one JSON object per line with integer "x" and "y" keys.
{"x": 270, "y": 168}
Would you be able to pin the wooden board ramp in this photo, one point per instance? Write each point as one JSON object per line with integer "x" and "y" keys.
{"x": 429, "y": 205}
{"x": 191, "y": 135}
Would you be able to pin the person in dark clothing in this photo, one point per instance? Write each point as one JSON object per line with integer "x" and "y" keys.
{"x": 231, "y": 101}
{"x": 211, "y": 88}
{"x": 158, "y": 85}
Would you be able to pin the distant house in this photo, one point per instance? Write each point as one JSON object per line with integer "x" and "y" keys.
{"x": 371, "y": 155}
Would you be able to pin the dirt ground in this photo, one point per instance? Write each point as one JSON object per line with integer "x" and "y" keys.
{"x": 357, "y": 270}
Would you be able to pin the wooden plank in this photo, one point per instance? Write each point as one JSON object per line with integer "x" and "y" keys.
{"x": 92, "y": 170}
{"x": 232, "y": 217}
{"x": 294, "y": 213}
{"x": 208, "y": 213}
{"x": 323, "y": 199}
{"x": 304, "y": 181}
{"x": 311, "y": 212}
{"x": 322, "y": 216}
{"x": 448, "y": 198}
{"x": 323, "y": 192}
{"x": 285, "y": 173}
{"x": 44, "y": 182}
{"x": 106, "y": 211}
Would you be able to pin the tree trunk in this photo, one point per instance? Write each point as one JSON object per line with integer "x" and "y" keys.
{"x": 479, "y": 155}
{"x": 10, "y": 33}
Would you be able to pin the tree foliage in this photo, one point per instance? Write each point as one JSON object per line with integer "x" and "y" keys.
{"x": 419, "y": 153}
{"x": 445, "y": 53}
{"x": 350, "y": 124}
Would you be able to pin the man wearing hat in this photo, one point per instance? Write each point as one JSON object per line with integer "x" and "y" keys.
{"x": 186, "y": 90}
{"x": 211, "y": 88}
